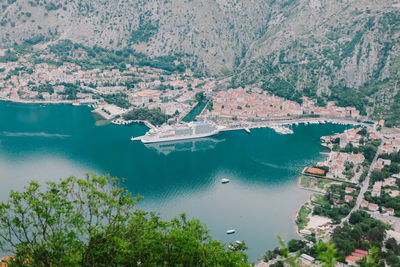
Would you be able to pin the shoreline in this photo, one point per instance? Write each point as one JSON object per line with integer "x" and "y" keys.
{"x": 242, "y": 125}
{"x": 20, "y": 101}
{"x": 312, "y": 192}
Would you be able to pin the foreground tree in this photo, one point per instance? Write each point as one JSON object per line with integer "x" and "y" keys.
{"x": 93, "y": 222}
{"x": 290, "y": 255}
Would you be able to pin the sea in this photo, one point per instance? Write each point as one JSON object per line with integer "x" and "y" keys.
{"x": 48, "y": 142}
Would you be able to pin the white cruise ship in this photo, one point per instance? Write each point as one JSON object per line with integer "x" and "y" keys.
{"x": 180, "y": 132}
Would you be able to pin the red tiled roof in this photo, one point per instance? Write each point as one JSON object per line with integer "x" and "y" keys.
{"x": 315, "y": 171}
{"x": 352, "y": 258}
{"x": 349, "y": 189}
{"x": 361, "y": 251}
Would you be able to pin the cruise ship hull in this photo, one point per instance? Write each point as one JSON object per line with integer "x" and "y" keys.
{"x": 176, "y": 138}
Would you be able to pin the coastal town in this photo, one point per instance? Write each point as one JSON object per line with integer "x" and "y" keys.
{"x": 113, "y": 92}
{"x": 358, "y": 180}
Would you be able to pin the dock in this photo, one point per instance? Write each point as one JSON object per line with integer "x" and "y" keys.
{"x": 120, "y": 121}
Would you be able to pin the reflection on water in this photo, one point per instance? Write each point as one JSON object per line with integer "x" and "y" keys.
{"x": 192, "y": 145}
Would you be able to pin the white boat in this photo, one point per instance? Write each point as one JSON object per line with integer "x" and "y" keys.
{"x": 225, "y": 181}
{"x": 281, "y": 129}
{"x": 232, "y": 231}
{"x": 184, "y": 131}
{"x": 239, "y": 242}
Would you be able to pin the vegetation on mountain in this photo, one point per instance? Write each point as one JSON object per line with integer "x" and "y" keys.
{"x": 392, "y": 114}
{"x": 99, "y": 57}
{"x": 94, "y": 222}
{"x": 143, "y": 33}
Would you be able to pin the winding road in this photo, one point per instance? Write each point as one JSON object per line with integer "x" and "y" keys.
{"x": 365, "y": 184}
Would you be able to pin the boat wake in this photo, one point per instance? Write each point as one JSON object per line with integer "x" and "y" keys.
{"x": 38, "y": 134}
{"x": 267, "y": 164}
{"x": 292, "y": 166}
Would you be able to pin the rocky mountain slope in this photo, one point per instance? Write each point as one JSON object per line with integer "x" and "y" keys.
{"x": 217, "y": 32}
{"x": 325, "y": 48}
{"x": 345, "y": 50}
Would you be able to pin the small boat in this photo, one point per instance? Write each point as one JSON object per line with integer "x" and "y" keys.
{"x": 231, "y": 247}
{"x": 247, "y": 130}
{"x": 239, "y": 242}
{"x": 232, "y": 231}
{"x": 225, "y": 181}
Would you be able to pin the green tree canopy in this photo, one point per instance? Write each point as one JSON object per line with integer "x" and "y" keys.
{"x": 200, "y": 96}
{"x": 155, "y": 116}
{"x": 94, "y": 222}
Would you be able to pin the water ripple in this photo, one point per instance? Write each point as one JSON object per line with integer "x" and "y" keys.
{"x": 33, "y": 134}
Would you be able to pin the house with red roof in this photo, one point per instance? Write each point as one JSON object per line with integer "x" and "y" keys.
{"x": 349, "y": 190}
{"x": 373, "y": 207}
{"x": 315, "y": 171}
{"x": 356, "y": 256}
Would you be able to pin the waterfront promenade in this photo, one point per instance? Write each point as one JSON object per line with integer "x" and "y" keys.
{"x": 278, "y": 125}
{"x": 243, "y": 125}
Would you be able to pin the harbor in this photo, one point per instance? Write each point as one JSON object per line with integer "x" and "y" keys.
{"x": 184, "y": 177}
{"x": 283, "y": 126}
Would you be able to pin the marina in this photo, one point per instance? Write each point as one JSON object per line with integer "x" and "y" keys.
{"x": 282, "y": 130}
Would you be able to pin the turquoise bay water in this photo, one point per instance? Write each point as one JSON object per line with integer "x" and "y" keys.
{"x": 47, "y": 142}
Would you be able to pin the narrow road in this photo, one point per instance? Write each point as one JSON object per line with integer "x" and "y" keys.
{"x": 365, "y": 184}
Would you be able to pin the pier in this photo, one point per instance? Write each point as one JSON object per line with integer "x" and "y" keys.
{"x": 124, "y": 122}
